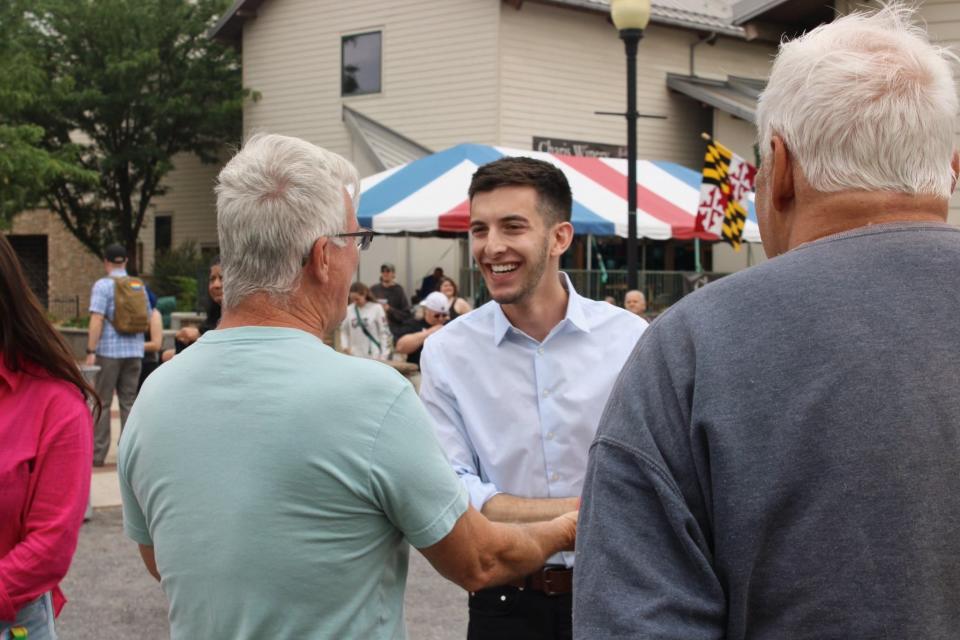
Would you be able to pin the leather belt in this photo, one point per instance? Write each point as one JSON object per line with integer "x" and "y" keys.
{"x": 551, "y": 581}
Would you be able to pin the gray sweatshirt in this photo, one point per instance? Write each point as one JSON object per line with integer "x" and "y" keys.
{"x": 780, "y": 457}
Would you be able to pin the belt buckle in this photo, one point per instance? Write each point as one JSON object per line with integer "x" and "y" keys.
{"x": 547, "y": 589}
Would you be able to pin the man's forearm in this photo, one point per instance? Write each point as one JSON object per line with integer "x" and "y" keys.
{"x": 531, "y": 545}
{"x": 478, "y": 553}
{"x": 93, "y": 333}
{"x": 506, "y": 508}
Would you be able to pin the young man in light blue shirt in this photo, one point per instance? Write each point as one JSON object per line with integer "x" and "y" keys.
{"x": 273, "y": 484}
{"x": 516, "y": 387}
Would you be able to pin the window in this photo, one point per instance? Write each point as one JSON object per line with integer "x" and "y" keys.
{"x": 162, "y": 233}
{"x": 360, "y": 64}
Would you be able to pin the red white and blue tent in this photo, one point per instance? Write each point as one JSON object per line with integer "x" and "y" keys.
{"x": 429, "y": 195}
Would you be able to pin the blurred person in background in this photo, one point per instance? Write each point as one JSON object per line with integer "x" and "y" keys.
{"x": 365, "y": 332}
{"x": 635, "y": 302}
{"x": 458, "y": 306}
{"x": 152, "y": 346}
{"x": 392, "y": 298}
{"x": 412, "y": 336}
{"x": 429, "y": 284}
{"x": 46, "y": 431}
{"x": 188, "y": 335}
{"x": 115, "y": 342}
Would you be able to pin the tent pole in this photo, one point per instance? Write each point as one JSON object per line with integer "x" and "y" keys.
{"x": 643, "y": 268}
{"x": 589, "y": 264}
{"x": 410, "y": 281}
{"x": 696, "y": 255}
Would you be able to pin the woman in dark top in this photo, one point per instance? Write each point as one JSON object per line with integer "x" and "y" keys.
{"x": 188, "y": 335}
{"x": 458, "y": 306}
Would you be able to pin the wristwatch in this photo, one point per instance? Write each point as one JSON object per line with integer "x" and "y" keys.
{"x": 90, "y": 352}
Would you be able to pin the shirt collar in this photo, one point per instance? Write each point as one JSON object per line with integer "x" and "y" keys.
{"x": 574, "y": 316}
{"x": 118, "y": 272}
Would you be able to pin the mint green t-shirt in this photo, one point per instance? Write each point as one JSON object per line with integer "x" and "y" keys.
{"x": 277, "y": 480}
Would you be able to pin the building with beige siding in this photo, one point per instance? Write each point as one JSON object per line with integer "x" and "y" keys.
{"x": 511, "y": 74}
{"x": 426, "y": 75}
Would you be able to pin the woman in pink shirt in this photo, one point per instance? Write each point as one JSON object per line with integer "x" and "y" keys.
{"x": 46, "y": 452}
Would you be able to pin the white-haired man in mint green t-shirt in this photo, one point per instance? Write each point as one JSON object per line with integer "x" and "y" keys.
{"x": 273, "y": 484}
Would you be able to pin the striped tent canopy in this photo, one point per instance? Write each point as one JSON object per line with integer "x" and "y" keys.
{"x": 429, "y": 195}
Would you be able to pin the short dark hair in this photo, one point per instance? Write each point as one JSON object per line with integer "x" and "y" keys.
{"x": 554, "y": 200}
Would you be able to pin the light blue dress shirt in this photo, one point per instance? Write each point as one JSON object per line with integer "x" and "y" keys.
{"x": 518, "y": 416}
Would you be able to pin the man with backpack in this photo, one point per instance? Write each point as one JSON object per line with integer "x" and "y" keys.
{"x": 119, "y": 316}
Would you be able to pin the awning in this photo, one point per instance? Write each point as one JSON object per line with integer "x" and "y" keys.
{"x": 387, "y": 148}
{"x": 736, "y": 96}
{"x": 429, "y": 195}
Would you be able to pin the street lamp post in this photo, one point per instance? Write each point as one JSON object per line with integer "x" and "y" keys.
{"x": 631, "y": 17}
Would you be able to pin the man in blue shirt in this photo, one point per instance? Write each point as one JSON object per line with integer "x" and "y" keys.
{"x": 119, "y": 355}
{"x": 516, "y": 387}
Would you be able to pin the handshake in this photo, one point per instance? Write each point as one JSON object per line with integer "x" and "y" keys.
{"x": 479, "y": 552}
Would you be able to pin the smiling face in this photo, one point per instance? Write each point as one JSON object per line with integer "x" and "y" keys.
{"x": 511, "y": 242}
{"x": 447, "y": 289}
{"x": 434, "y": 318}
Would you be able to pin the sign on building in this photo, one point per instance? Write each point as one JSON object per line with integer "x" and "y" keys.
{"x": 578, "y": 148}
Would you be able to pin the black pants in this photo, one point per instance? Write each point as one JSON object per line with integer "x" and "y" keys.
{"x": 509, "y": 613}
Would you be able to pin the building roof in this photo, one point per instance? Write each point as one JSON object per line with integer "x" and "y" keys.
{"x": 388, "y": 148}
{"x": 735, "y": 95}
{"x": 701, "y": 15}
{"x": 230, "y": 25}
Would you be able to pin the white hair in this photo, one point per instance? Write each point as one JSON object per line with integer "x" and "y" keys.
{"x": 865, "y": 103}
{"x": 275, "y": 198}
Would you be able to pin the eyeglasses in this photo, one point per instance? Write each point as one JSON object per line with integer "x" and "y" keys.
{"x": 364, "y": 237}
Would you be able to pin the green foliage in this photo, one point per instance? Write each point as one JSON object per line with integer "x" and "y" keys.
{"x": 99, "y": 95}
{"x": 175, "y": 274}
{"x": 83, "y": 322}
{"x": 187, "y": 296}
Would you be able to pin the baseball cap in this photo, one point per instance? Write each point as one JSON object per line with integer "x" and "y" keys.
{"x": 386, "y": 266}
{"x": 115, "y": 253}
{"x": 436, "y": 302}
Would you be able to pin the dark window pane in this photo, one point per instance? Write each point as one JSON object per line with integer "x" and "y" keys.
{"x": 163, "y": 233}
{"x": 361, "y": 64}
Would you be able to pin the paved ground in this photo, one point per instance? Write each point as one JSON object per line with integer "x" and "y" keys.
{"x": 113, "y": 598}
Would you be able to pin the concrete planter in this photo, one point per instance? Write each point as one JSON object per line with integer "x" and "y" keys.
{"x": 77, "y": 339}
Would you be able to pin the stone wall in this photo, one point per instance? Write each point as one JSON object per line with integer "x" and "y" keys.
{"x": 72, "y": 268}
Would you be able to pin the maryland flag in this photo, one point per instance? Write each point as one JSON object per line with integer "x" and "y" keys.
{"x": 727, "y": 179}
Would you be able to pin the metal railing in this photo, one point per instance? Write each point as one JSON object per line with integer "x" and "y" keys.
{"x": 64, "y": 308}
{"x": 661, "y": 288}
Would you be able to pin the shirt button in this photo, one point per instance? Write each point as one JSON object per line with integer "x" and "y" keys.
{"x": 555, "y": 476}
{"x": 546, "y": 393}
{"x": 540, "y": 350}
{"x": 550, "y": 436}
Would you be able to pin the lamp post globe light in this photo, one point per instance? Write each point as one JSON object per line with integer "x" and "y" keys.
{"x": 631, "y": 17}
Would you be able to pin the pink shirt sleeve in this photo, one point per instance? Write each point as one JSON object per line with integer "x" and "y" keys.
{"x": 56, "y": 487}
